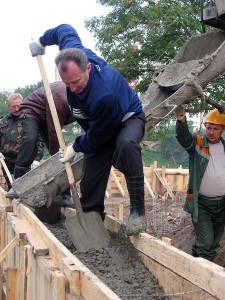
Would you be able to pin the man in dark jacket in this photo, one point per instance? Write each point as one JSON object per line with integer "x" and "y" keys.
{"x": 38, "y": 120}
{"x": 206, "y": 189}
{"x": 11, "y": 126}
{"x": 110, "y": 113}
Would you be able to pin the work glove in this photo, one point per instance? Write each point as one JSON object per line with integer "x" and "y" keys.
{"x": 179, "y": 113}
{"x": 37, "y": 48}
{"x": 68, "y": 156}
{"x": 2, "y": 156}
{"x": 35, "y": 164}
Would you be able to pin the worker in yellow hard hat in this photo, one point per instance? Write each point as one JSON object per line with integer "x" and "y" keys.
{"x": 206, "y": 189}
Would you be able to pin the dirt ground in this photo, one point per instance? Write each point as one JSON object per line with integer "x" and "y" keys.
{"x": 167, "y": 219}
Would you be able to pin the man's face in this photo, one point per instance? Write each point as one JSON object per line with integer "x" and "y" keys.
{"x": 14, "y": 106}
{"x": 74, "y": 77}
{"x": 213, "y": 132}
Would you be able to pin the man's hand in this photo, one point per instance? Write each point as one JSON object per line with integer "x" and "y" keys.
{"x": 69, "y": 154}
{"x": 36, "y": 48}
{"x": 2, "y": 156}
{"x": 179, "y": 113}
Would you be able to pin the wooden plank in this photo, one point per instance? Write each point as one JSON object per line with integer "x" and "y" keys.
{"x": 119, "y": 211}
{"x": 153, "y": 176}
{"x": 21, "y": 280}
{"x": 28, "y": 266}
{"x": 117, "y": 182}
{"x": 164, "y": 183}
{"x": 149, "y": 188}
{"x": 4, "y": 200}
{"x": 4, "y": 253}
{"x": 58, "y": 285}
{"x": 167, "y": 240}
{"x": 2, "y": 230}
{"x": 97, "y": 289}
{"x": 11, "y": 284}
{"x": 205, "y": 274}
{"x": 73, "y": 273}
{"x": 25, "y": 231}
{"x": 174, "y": 285}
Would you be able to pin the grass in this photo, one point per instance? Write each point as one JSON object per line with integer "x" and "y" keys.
{"x": 149, "y": 156}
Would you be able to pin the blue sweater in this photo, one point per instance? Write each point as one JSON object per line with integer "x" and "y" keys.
{"x": 106, "y": 101}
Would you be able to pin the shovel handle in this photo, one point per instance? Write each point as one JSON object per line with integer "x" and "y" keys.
{"x": 58, "y": 132}
{"x": 6, "y": 170}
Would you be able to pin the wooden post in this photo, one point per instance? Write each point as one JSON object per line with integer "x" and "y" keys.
{"x": 117, "y": 182}
{"x": 72, "y": 272}
{"x": 28, "y": 259}
{"x": 8, "y": 248}
{"x": 149, "y": 188}
{"x": 164, "y": 177}
{"x": 109, "y": 187}
{"x": 22, "y": 272}
{"x": 59, "y": 285}
{"x": 11, "y": 284}
{"x": 119, "y": 211}
{"x": 153, "y": 176}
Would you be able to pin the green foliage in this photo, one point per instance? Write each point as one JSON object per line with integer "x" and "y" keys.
{"x": 170, "y": 153}
{"x": 3, "y": 104}
{"x": 149, "y": 156}
{"x": 28, "y": 89}
{"x": 170, "y": 149}
{"x": 137, "y": 35}
{"x": 24, "y": 91}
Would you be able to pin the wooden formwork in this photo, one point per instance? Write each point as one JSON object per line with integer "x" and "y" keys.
{"x": 157, "y": 181}
{"x": 36, "y": 266}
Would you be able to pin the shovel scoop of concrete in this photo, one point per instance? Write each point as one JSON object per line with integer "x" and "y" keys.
{"x": 173, "y": 76}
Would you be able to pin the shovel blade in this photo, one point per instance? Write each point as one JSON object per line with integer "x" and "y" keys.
{"x": 90, "y": 233}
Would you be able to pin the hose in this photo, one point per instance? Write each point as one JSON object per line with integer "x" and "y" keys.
{"x": 201, "y": 14}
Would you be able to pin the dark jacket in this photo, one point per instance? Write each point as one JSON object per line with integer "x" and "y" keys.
{"x": 198, "y": 149}
{"x": 36, "y": 106}
{"x": 106, "y": 101}
{"x": 11, "y": 138}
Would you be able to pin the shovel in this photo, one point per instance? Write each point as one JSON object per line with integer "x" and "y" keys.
{"x": 86, "y": 230}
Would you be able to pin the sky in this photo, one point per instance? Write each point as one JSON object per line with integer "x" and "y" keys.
{"x": 24, "y": 19}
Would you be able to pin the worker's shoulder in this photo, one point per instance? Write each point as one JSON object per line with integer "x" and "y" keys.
{"x": 4, "y": 118}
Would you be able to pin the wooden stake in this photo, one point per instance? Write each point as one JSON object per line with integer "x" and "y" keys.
{"x": 28, "y": 259}
{"x": 149, "y": 188}
{"x": 8, "y": 248}
{"x": 11, "y": 284}
{"x": 119, "y": 211}
{"x": 117, "y": 182}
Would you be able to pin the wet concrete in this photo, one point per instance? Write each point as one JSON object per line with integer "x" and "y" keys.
{"x": 118, "y": 266}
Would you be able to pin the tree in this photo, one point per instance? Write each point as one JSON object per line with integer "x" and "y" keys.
{"x": 28, "y": 89}
{"x": 3, "y": 103}
{"x": 137, "y": 35}
{"x": 24, "y": 91}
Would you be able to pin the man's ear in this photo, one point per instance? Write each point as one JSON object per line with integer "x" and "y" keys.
{"x": 89, "y": 67}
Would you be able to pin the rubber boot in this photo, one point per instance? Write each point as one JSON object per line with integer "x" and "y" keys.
{"x": 18, "y": 172}
{"x": 136, "y": 221}
{"x": 67, "y": 199}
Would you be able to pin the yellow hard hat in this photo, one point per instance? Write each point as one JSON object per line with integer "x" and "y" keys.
{"x": 215, "y": 117}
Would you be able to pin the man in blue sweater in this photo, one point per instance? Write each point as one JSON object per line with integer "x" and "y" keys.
{"x": 112, "y": 117}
